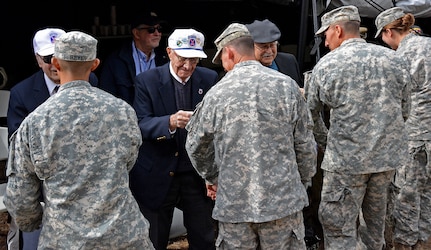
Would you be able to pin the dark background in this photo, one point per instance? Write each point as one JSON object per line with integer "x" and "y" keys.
{"x": 20, "y": 20}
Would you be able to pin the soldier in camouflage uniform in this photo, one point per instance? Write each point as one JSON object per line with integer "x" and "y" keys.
{"x": 81, "y": 144}
{"x": 368, "y": 93}
{"x": 412, "y": 213}
{"x": 251, "y": 140}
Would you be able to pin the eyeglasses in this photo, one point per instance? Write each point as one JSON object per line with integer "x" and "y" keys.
{"x": 265, "y": 46}
{"x": 192, "y": 60}
{"x": 46, "y": 59}
{"x": 152, "y": 29}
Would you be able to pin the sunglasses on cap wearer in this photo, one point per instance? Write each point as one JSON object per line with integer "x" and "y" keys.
{"x": 46, "y": 59}
{"x": 152, "y": 29}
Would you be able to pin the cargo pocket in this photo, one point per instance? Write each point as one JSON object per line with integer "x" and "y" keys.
{"x": 43, "y": 167}
{"x": 330, "y": 210}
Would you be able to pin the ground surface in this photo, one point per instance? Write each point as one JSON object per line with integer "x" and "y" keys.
{"x": 179, "y": 243}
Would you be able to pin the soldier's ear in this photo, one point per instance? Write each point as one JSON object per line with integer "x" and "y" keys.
{"x": 96, "y": 63}
{"x": 54, "y": 61}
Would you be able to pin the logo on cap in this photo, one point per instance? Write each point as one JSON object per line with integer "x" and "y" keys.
{"x": 187, "y": 43}
{"x": 192, "y": 42}
{"x": 53, "y": 36}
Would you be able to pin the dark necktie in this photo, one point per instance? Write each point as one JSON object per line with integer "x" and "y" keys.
{"x": 55, "y": 90}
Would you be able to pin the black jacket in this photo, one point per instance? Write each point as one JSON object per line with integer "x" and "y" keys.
{"x": 118, "y": 72}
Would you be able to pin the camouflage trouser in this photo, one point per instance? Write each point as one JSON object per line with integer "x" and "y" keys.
{"x": 412, "y": 209}
{"x": 343, "y": 198}
{"x": 285, "y": 233}
{"x": 393, "y": 191}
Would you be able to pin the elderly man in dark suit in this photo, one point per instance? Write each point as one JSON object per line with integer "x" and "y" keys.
{"x": 163, "y": 177}
{"x": 266, "y": 35}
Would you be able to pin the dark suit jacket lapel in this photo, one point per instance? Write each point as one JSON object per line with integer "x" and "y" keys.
{"x": 167, "y": 91}
{"x": 40, "y": 90}
{"x": 126, "y": 54}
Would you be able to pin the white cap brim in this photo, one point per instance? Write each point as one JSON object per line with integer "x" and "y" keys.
{"x": 46, "y": 51}
{"x": 190, "y": 53}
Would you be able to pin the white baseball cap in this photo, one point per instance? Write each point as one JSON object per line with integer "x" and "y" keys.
{"x": 43, "y": 41}
{"x": 187, "y": 43}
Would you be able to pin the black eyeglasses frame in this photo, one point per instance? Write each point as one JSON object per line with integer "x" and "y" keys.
{"x": 152, "y": 29}
{"x": 46, "y": 59}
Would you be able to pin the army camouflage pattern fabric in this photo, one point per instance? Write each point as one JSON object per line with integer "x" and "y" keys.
{"x": 75, "y": 46}
{"x": 386, "y": 17}
{"x": 368, "y": 107}
{"x": 415, "y": 179}
{"x": 232, "y": 32}
{"x": 284, "y": 233}
{"x": 252, "y": 136}
{"x": 367, "y": 90}
{"x": 81, "y": 143}
{"x": 416, "y": 50}
{"x": 341, "y": 14}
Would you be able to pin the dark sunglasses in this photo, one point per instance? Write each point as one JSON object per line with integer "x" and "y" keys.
{"x": 152, "y": 29}
{"x": 46, "y": 59}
